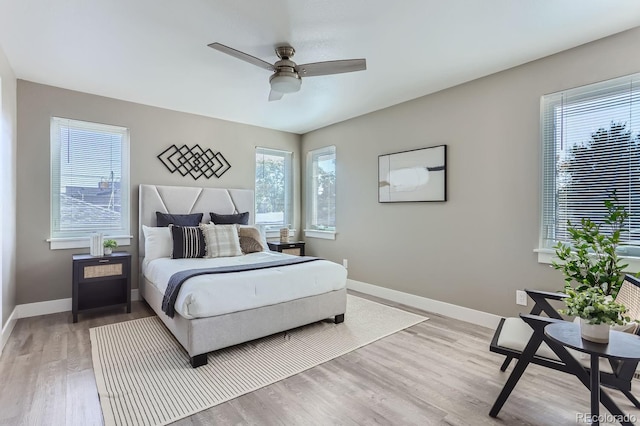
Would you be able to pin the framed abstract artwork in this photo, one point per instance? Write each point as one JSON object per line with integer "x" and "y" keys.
{"x": 416, "y": 175}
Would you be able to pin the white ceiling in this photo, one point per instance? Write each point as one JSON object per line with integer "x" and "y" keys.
{"x": 155, "y": 51}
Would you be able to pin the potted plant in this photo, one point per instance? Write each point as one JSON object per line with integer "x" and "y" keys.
{"x": 596, "y": 310}
{"x": 591, "y": 263}
{"x": 109, "y": 245}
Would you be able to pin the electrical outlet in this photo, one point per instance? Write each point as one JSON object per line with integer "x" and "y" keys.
{"x": 521, "y": 297}
{"x": 345, "y": 263}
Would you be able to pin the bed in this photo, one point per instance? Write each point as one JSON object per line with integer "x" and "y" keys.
{"x": 239, "y": 306}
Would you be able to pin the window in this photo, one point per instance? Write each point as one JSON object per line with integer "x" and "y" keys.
{"x": 274, "y": 188}
{"x": 89, "y": 182}
{"x": 321, "y": 193}
{"x": 591, "y": 147}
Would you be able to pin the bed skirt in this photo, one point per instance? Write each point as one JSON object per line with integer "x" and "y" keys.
{"x": 202, "y": 335}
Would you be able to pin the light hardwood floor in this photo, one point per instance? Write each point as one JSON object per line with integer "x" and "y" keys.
{"x": 439, "y": 372}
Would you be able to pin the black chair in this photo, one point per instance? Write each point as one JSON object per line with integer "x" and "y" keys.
{"x": 524, "y": 339}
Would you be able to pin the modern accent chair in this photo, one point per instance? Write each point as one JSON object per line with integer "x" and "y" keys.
{"x": 524, "y": 339}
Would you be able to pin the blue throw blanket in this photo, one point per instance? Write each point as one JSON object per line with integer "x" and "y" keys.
{"x": 177, "y": 279}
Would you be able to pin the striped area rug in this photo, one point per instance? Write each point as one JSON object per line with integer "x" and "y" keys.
{"x": 144, "y": 377}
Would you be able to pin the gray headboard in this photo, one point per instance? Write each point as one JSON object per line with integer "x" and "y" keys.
{"x": 189, "y": 199}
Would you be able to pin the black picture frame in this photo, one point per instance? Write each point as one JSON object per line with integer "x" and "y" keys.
{"x": 417, "y": 175}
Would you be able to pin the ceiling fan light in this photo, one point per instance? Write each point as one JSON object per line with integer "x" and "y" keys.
{"x": 285, "y": 83}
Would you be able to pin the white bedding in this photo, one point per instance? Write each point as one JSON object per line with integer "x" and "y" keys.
{"x": 211, "y": 295}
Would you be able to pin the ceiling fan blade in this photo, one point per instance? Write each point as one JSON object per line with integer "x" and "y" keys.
{"x": 242, "y": 56}
{"x": 331, "y": 67}
{"x": 275, "y": 96}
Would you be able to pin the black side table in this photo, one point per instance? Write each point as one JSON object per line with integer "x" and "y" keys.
{"x": 101, "y": 282}
{"x": 295, "y": 248}
{"x": 621, "y": 347}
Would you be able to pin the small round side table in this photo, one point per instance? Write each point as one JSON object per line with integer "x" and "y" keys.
{"x": 621, "y": 346}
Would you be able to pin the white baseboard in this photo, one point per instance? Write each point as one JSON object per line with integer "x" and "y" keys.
{"x": 27, "y": 310}
{"x": 53, "y": 306}
{"x": 7, "y": 329}
{"x": 40, "y": 308}
{"x": 447, "y": 309}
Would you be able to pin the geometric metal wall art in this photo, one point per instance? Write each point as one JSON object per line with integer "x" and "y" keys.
{"x": 194, "y": 161}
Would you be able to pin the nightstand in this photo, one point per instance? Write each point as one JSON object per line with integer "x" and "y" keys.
{"x": 101, "y": 282}
{"x": 296, "y": 248}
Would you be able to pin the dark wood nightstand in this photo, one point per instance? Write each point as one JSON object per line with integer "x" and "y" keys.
{"x": 295, "y": 248}
{"x": 101, "y": 282}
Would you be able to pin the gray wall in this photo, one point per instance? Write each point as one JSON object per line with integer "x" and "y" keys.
{"x": 44, "y": 274}
{"x": 8, "y": 146}
{"x": 476, "y": 249}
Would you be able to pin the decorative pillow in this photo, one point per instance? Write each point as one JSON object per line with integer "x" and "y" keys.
{"x": 221, "y": 240}
{"x": 250, "y": 239}
{"x": 157, "y": 242}
{"x": 230, "y": 219}
{"x": 166, "y": 219}
{"x": 188, "y": 242}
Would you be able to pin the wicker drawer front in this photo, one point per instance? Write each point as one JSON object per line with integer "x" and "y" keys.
{"x": 99, "y": 271}
{"x": 294, "y": 251}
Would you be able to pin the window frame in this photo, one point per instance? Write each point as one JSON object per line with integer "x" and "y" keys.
{"x": 79, "y": 238}
{"x": 288, "y": 219}
{"x": 551, "y": 105}
{"x": 311, "y": 229}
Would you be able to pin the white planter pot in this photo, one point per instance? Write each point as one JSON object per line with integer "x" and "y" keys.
{"x": 598, "y": 333}
{"x": 108, "y": 251}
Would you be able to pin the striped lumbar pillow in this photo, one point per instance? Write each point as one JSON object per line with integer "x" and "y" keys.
{"x": 188, "y": 242}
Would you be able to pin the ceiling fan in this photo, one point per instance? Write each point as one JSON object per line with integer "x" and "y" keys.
{"x": 287, "y": 75}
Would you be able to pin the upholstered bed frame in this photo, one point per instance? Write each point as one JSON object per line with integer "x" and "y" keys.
{"x": 202, "y": 335}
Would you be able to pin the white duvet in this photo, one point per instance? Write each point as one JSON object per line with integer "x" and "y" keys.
{"x": 210, "y": 295}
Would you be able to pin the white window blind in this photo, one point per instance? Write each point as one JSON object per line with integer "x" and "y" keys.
{"x": 591, "y": 148}
{"x": 274, "y": 188}
{"x": 89, "y": 179}
{"x": 321, "y": 189}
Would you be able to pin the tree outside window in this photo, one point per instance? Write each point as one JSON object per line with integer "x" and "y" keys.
{"x": 591, "y": 150}
{"x": 321, "y": 187}
{"x": 274, "y": 183}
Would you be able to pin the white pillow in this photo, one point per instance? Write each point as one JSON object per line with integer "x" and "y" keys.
{"x": 157, "y": 242}
{"x": 221, "y": 240}
{"x": 263, "y": 233}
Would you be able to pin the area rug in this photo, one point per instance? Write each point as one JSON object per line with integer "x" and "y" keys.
{"x": 144, "y": 377}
